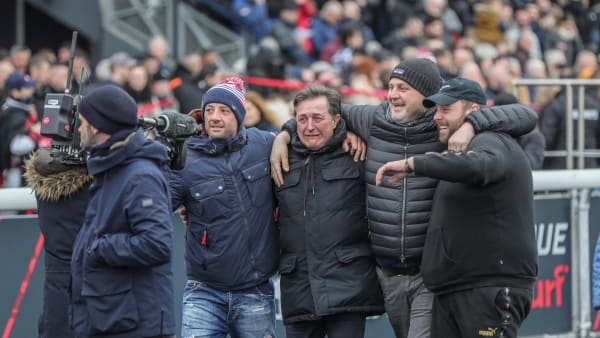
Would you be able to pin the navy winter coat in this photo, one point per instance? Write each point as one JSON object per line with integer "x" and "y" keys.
{"x": 122, "y": 274}
{"x": 225, "y": 186}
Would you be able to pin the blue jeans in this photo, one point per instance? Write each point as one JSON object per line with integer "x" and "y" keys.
{"x": 247, "y": 313}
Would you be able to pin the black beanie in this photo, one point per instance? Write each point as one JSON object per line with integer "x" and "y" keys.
{"x": 421, "y": 74}
{"x": 109, "y": 109}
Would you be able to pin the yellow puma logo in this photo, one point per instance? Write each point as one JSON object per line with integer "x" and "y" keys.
{"x": 490, "y": 332}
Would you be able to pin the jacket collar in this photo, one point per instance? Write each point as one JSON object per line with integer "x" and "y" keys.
{"x": 216, "y": 147}
{"x": 339, "y": 134}
{"x": 119, "y": 151}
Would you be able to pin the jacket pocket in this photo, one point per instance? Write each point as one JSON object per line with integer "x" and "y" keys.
{"x": 437, "y": 266}
{"x": 335, "y": 173}
{"x": 257, "y": 180}
{"x": 291, "y": 179}
{"x": 343, "y": 181}
{"x": 287, "y": 264}
{"x": 110, "y": 301}
{"x": 289, "y": 197}
{"x": 210, "y": 199}
{"x": 348, "y": 255}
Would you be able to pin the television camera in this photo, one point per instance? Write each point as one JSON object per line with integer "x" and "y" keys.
{"x": 173, "y": 130}
{"x": 60, "y": 122}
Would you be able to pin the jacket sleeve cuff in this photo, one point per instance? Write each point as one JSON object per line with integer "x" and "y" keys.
{"x": 290, "y": 126}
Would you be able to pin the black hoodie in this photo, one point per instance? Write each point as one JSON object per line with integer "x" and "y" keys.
{"x": 481, "y": 232}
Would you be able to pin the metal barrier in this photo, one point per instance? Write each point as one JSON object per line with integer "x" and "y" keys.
{"x": 568, "y": 84}
{"x": 567, "y": 221}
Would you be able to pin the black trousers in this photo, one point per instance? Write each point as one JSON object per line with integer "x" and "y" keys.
{"x": 481, "y": 312}
{"x": 54, "y": 320}
{"x": 345, "y": 325}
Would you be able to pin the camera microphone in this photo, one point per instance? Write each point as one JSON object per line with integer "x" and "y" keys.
{"x": 170, "y": 124}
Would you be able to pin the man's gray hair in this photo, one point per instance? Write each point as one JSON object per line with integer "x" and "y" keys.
{"x": 334, "y": 99}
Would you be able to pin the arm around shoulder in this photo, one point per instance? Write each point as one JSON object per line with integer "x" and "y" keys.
{"x": 513, "y": 119}
{"x": 359, "y": 118}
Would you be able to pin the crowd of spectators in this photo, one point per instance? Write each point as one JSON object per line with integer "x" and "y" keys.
{"x": 350, "y": 45}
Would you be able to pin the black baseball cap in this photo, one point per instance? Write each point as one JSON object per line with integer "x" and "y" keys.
{"x": 17, "y": 80}
{"x": 454, "y": 90}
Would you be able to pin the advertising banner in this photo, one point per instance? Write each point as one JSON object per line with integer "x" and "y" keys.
{"x": 551, "y": 307}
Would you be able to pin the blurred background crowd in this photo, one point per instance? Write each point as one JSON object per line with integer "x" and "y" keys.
{"x": 351, "y": 45}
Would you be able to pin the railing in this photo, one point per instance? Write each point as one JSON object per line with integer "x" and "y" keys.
{"x": 198, "y": 32}
{"x": 568, "y": 84}
{"x": 135, "y": 21}
{"x": 186, "y": 29}
{"x": 543, "y": 180}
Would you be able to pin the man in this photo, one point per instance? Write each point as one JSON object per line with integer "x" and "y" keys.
{"x": 399, "y": 215}
{"x": 284, "y": 27}
{"x": 117, "y": 68}
{"x": 231, "y": 243}
{"x": 6, "y": 68}
{"x": 480, "y": 256}
{"x": 19, "y": 56}
{"x": 62, "y": 196}
{"x": 39, "y": 71}
{"x": 328, "y": 280}
{"x": 553, "y": 118}
{"x": 122, "y": 276}
{"x": 533, "y": 143}
{"x": 19, "y": 128}
{"x": 158, "y": 46}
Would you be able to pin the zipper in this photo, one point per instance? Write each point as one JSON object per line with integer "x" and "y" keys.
{"x": 403, "y": 217}
{"x": 96, "y": 234}
{"x": 309, "y": 181}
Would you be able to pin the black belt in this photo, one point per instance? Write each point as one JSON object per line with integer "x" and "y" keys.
{"x": 408, "y": 271}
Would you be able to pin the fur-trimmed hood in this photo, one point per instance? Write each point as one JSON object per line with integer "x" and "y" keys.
{"x": 55, "y": 181}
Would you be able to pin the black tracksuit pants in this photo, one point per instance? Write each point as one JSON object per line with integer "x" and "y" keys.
{"x": 480, "y": 312}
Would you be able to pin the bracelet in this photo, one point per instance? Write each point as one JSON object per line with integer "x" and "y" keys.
{"x": 406, "y": 166}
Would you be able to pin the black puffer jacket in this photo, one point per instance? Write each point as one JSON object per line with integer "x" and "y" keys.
{"x": 399, "y": 213}
{"x": 326, "y": 262}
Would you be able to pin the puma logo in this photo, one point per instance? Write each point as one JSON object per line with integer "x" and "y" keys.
{"x": 489, "y": 332}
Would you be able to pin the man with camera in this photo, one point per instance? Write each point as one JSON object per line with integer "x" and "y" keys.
{"x": 122, "y": 279}
{"x": 62, "y": 193}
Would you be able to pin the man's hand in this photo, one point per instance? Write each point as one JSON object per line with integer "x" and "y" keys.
{"x": 196, "y": 114}
{"x": 400, "y": 169}
{"x": 36, "y": 128}
{"x": 459, "y": 141}
{"x": 184, "y": 216}
{"x": 279, "y": 157}
{"x": 355, "y": 146}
